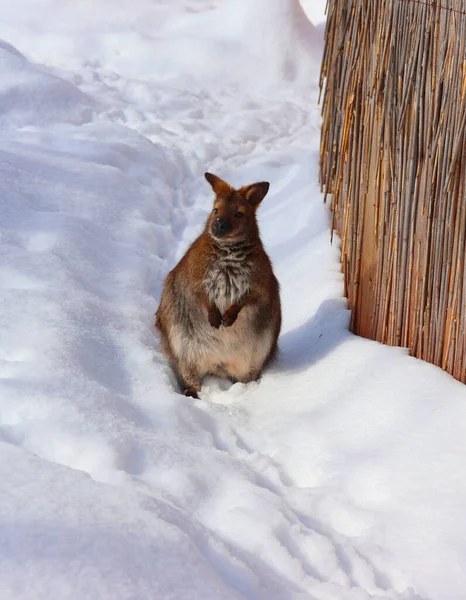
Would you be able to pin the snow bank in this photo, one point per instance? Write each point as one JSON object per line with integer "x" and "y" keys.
{"x": 270, "y": 37}
{"x": 30, "y": 95}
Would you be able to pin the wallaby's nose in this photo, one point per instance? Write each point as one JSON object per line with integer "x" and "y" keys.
{"x": 220, "y": 227}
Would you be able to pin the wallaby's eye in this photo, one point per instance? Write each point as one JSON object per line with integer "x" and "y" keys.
{"x": 215, "y": 211}
{"x": 239, "y": 214}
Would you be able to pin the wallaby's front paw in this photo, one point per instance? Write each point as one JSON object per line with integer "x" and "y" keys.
{"x": 190, "y": 392}
{"x": 215, "y": 318}
{"x": 229, "y": 318}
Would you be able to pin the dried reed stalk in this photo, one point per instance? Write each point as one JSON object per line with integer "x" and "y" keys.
{"x": 393, "y": 161}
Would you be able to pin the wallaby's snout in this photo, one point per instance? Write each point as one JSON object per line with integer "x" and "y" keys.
{"x": 221, "y": 227}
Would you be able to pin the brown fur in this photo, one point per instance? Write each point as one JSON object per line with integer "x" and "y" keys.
{"x": 220, "y": 309}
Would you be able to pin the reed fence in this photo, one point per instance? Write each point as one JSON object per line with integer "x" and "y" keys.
{"x": 393, "y": 160}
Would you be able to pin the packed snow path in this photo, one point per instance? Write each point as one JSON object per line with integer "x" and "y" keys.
{"x": 339, "y": 476}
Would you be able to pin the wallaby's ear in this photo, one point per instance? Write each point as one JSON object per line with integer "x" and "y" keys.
{"x": 256, "y": 192}
{"x": 218, "y": 185}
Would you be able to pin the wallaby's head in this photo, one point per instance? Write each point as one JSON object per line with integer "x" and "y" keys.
{"x": 233, "y": 217}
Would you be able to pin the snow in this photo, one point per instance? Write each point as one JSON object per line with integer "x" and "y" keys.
{"x": 340, "y": 475}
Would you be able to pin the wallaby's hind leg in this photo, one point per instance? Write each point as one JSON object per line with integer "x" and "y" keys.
{"x": 243, "y": 373}
{"x": 273, "y": 354}
{"x": 253, "y": 375}
{"x": 190, "y": 381}
{"x": 188, "y": 378}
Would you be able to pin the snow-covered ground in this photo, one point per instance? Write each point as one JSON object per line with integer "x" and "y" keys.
{"x": 341, "y": 475}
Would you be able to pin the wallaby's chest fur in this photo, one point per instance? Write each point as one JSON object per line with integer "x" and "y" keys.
{"x": 228, "y": 276}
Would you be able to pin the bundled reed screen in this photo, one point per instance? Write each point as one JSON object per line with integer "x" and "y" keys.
{"x": 393, "y": 158}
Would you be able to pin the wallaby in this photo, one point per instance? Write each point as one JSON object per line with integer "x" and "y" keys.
{"x": 220, "y": 309}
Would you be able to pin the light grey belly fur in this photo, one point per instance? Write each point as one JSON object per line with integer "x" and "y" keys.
{"x": 236, "y": 350}
{"x": 228, "y": 351}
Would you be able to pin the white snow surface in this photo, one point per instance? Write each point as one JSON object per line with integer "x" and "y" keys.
{"x": 340, "y": 475}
